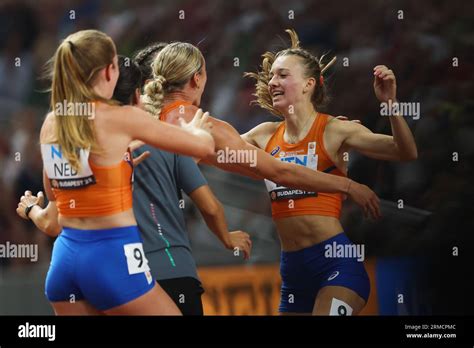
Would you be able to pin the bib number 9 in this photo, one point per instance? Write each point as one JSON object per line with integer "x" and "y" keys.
{"x": 342, "y": 311}
{"x": 340, "y": 308}
{"x": 137, "y": 254}
{"x": 136, "y": 260}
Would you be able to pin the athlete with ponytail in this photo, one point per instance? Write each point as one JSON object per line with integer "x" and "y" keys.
{"x": 98, "y": 264}
{"x": 157, "y": 204}
{"x": 174, "y": 91}
{"x": 291, "y": 85}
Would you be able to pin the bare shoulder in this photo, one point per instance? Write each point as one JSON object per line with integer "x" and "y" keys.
{"x": 47, "y": 129}
{"x": 266, "y": 128}
{"x": 342, "y": 126}
{"x": 338, "y": 131}
{"x": 260, "y": 134}
{"x": 112, "y": 116}
{"x": 334, "y": 123}
{"x": 187, "y": 112}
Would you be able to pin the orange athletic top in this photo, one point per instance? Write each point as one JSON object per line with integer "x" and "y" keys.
{"x": 94, "y": 190}
{"x": 170, "y": 107}
{"x": 309, "y": 152}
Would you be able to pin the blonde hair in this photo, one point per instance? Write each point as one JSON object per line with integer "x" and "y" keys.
{"x": 314, "y": 67}
{"x": 73, "y": 70}
{"x": 172, "y": 68}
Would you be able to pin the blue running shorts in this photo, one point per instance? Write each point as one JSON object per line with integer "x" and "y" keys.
{"x": 107, "y": 268}
{"x": 305, "y": 272}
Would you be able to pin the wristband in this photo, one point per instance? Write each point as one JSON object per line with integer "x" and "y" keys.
{"x": 28, "y": 209}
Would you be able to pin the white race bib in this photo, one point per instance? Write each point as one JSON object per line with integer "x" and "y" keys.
{"x": 136, "y": 259}
{"x": 60, "y": 172}
{"x": 340, "y": 308}
{"x": 309, "y": 160}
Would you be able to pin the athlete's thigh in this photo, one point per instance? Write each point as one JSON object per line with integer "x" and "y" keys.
{"x": 154, "y": 302}
{"x": 74, "y": 308}
{"x": 337, "y": 300}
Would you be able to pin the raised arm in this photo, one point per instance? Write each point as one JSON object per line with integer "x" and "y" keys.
{"x": 354, "y": 136}
{"x": 192, "y": 139}
{"x": 399, "y": 147}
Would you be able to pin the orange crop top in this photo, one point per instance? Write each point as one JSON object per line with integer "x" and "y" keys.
{"x": 170, "y": 107}
{"x": 93, "y": 191}
{"x": 309, "y": 152}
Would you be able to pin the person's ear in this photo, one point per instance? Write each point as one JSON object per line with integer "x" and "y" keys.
{"x": 310, "y": 84}
{"x": 136, "y": 97}
{"x": 196, "y": 78}
{"x": 108, "y": 72}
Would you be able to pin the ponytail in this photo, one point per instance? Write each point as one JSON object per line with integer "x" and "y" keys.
{"x": 74, "y": 68}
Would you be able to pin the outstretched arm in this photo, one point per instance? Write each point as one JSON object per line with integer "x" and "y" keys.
{"x": 286, "y": 174}
{"x": 296, "y": 176}
{"x": 192, "y": 139}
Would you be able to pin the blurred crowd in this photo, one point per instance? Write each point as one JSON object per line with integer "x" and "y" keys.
{"x": 428, "y": 44}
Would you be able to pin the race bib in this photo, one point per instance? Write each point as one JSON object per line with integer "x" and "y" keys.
{"x": 309, "y": 160}
{"x": 340, "y": 308}
{"x": 60, "y": 172}
{"x": 136, "y": 260}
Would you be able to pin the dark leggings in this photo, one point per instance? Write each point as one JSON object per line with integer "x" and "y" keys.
{"x": 186, "y": 293}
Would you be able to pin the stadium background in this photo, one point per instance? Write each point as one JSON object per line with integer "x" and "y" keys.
{"x": 409, "y": 251}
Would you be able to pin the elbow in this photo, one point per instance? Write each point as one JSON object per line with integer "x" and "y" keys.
{"x": 409, "y": 156}
{"x": 207, "y": 203}
{"x": 210, "y": 150}
{"x": 406, "y": 153}
{"x": 211, "y": 209}
{"x": 206, "y": 149}
{"x": 52, "y": 230}
{"x": 201, "y": 152}
{"x": 414, "y": 155}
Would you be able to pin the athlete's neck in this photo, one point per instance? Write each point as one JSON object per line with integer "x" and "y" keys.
{"x": 182, "y": 95}
{"x": 298, "y": 122}
{"x": 103, "y": 91}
